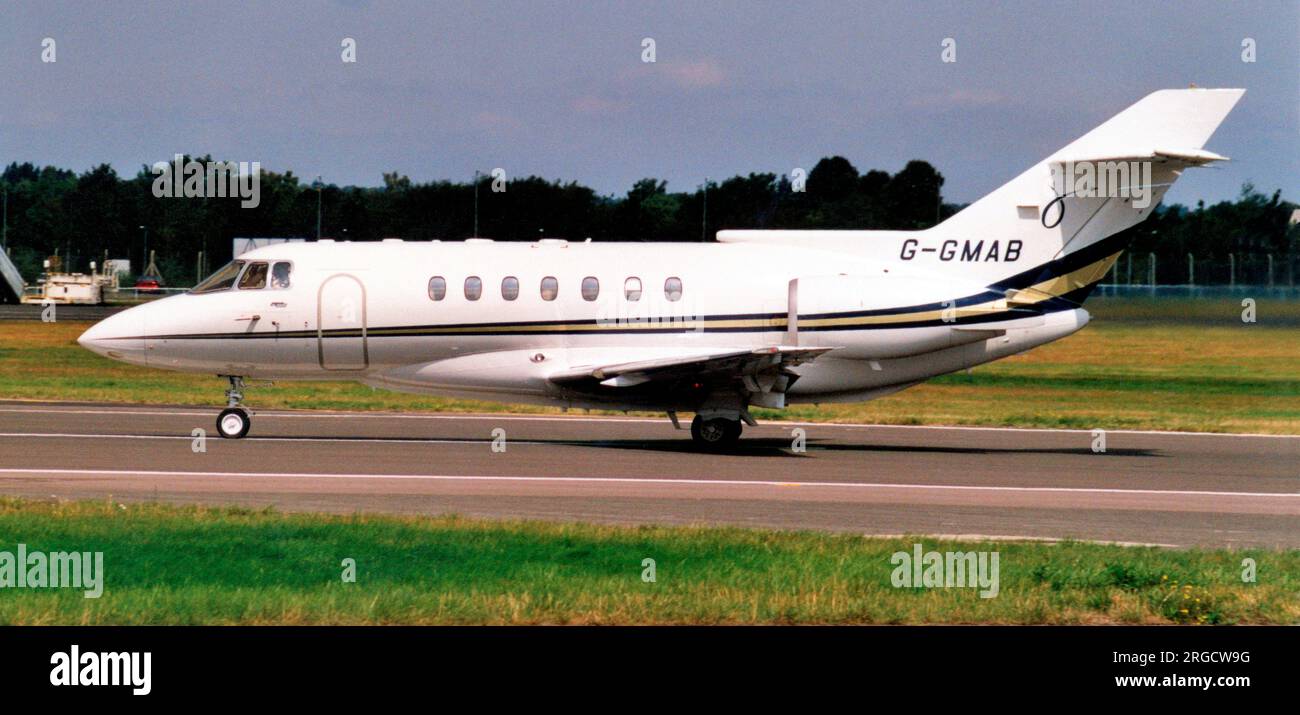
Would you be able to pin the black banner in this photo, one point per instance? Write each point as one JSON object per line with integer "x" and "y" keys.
{"x": 231, "y": 664}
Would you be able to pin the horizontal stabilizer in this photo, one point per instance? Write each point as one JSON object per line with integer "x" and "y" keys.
{"x": 1190, "y": 157}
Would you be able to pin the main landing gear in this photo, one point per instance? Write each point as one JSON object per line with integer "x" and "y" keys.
{"x": 233, "y": 422}
{"x": 715, "y": 432}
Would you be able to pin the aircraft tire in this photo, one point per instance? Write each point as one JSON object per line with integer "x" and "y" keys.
{"x": 233, "y": 423}
{"x": 716, "y": 432}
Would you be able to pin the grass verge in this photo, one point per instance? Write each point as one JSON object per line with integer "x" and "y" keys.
{"x": 192, "y": 565}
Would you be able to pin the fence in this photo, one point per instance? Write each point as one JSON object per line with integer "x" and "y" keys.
{"x": 1191, "y": 270}
{"x": 1137, "y": 290}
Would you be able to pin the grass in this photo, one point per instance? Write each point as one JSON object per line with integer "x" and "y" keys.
{"x": 1143, "y": 364}
{"x": 192, "y": 565}
{"x": 1201, "y": 311}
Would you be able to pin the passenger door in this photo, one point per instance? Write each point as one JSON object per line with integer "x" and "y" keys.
{"x": 341, "y": 323}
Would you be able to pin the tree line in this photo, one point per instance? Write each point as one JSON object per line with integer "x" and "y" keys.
{"x": 79, "y": 217}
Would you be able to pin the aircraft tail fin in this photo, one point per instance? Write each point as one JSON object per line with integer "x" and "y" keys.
{"x": 1098, "y": 185}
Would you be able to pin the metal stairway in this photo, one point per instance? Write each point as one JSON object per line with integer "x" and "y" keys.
{"x": 11, "y": 287}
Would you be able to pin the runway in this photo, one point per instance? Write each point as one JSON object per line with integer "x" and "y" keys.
{"x": 1147, "y": 487}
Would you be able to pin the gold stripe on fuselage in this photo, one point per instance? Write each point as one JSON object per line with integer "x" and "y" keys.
{"x": 1046, "y": 290}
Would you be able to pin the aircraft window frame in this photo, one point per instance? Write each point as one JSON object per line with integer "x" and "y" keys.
{"x": 513, "y": 292}
{"x": 478, "y": 292}
{"x": 590, "y": 288}
{"x": 668, "y": 292}
{"x": 554, "y": 290}
{"x": 249, "y": 268}
{"x": 288, "y": 276}
{"x": 207, "y": 285}
{"x": 440, "y": 291}
{"x": 631, "y": 294}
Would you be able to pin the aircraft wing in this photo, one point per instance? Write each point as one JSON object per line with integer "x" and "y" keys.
{"x": 760, "y": 369}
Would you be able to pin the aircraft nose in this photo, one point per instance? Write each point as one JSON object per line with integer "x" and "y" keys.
{"x": 120, "y": 337}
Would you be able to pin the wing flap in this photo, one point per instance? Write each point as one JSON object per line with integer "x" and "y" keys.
{"x": 703, "y": 366}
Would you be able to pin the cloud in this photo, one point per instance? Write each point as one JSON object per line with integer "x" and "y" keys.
{"x": 683, "y": 74}
{"x": 958, "y": 99}
{"x": 497, "y": 121}
{"x": 694, "y": 74}
{"x": 591, "y": 104}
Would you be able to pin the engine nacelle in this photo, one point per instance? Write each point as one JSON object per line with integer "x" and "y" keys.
{"x": 935, "y": 316}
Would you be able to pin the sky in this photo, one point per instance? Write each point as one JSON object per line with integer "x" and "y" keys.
{"x": 560, "y": 89}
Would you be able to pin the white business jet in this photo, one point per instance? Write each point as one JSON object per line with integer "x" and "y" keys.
{"x": 759, "y": 318}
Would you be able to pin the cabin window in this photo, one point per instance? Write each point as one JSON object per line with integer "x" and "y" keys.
{"x": 590, "y": 288}
{"x": 254, "y": 276}
{"x": 223, "y": 279}
{"x": 280, "y": 274}
{"x": 437, "y": 288}
{"x": 673, "y": 289}
{"x": 632, "y": 289}
{"x": 550, "y": 288}
{"x": 473, "y": 288}
{"x": 509, "y": 287}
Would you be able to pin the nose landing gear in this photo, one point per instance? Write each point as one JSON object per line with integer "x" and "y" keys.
{"x": 233, "y": 422}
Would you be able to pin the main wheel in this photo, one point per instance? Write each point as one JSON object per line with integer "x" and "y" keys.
{"x": 715, "y": 432}
{"x": 233, "y": 423}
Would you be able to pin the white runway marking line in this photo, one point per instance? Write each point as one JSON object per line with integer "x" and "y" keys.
{"x": 616, "y": 419}
{"x": 638, "y": 480}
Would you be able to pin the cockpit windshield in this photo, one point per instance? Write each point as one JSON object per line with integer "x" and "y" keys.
{"x": 254, "y": 277}
{"x": 223, "y": 279}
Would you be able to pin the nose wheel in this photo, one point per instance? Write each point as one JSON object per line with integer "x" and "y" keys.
{"x": 233, "y": 422}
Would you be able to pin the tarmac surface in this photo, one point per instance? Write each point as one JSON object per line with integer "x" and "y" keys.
{"x": 34, "y": 311}
{"x": 1176, "y": 489}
